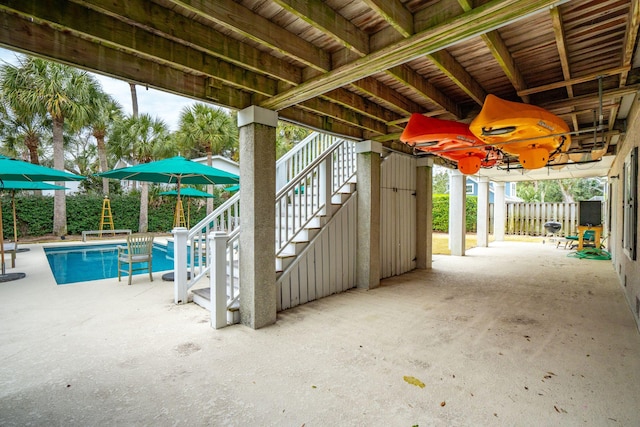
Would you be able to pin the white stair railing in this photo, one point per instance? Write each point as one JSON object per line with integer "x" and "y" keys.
{"x": 309, "y": 193}
{"x": 316, "y": 171}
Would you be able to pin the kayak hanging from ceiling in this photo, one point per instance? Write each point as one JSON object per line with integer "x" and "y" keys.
{"x": 450, "y": 140}
{"x": 531, "y": 133}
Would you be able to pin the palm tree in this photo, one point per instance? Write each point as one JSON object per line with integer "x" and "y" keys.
{"x": 141, "y": 140}
{"x": 64, "y": 94}
{"x": 21, "y": 126}
{"x": 106, "y": 113}
{"x": 207, "y": 129}
{"x": 288, "y": 135}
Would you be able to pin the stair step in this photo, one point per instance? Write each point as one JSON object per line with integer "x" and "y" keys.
{"x": 283, "y": 261}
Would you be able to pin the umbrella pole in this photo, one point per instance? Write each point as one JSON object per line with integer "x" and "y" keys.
{"x": 15, "y": 219}
{"x": 11, "y": 276}
{"x": 1, "y": 239}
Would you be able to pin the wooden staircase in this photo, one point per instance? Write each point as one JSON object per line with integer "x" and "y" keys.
{"x": 301, "y": 215}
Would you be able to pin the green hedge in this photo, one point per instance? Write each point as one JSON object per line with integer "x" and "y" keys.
{"x": 35, "y": 213}
{"x": 441, "y": 212}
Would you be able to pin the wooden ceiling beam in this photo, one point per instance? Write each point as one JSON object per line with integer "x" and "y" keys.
{"x": 577, "y": 80}
{"x": 400, "y": 19}
{"x": 318, "y": 122}
{"x": 150, "y": 17}
{"x": 561, "y": 43}
{"x": 317, "y": 14}
{"x": 394, "y": 12}
{"x": 237, "y": 18}
{"x": 590, "y": 99}
{"x": 473, "y": 23}
{"x": 108, "y": 31}
{"x": 501, "y": 53}
{"x": 456, "y": 72}
{"x": 30, "y": 35}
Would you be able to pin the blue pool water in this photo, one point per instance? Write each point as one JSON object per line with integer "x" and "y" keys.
{"x": 72, "y": 264}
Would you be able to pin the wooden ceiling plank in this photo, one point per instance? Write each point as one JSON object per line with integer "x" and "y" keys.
{"x": 321, "y": 16}
{"x": 243, "y": 21}
{"x": 473, "y": 23}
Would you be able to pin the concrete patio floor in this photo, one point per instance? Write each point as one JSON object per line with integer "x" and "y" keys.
{"x": 517, "y": 334}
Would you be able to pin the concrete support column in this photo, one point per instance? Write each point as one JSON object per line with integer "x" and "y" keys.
{"x": 368, "y": 231}
{"x": 499, "y": 211}
{"x": 482, "y": 226}
{"x": 457, "y": 212}
{"x": 257, "y": 216}
{"x": 424, "y": 213}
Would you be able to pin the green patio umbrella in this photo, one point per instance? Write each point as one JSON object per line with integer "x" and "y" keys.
{"x": 17, "y": 170}
{"x": 186, "y": 192}
{"x": 175, "y": 170}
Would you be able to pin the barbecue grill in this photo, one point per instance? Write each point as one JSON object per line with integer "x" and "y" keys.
{"x": 552, "y": 228}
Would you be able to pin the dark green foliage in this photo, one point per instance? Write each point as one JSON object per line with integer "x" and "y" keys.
{"x": 35, "y": 213}
{"x": 441, "y": 212}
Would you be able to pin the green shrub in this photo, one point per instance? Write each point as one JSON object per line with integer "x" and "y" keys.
{"x": 84, "y": 211}
{"x": 441, "y": 213}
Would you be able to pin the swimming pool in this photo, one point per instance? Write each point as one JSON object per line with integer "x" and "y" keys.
{"x": 73, "y": 264}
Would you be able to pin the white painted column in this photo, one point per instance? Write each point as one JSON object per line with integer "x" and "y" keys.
{"x": 257, "y": 216}
{"x": 499, "y": 211}
{"x": 482, "y": 226}
{"x": 424, "y": 213}
{"x": 218, "y": 278}
{"x": 457, "y": 212}
{"x": 368, "y": 228}
{"x": 180, "y": 289}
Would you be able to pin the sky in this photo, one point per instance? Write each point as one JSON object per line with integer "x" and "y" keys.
{"x": 150, "y": 101}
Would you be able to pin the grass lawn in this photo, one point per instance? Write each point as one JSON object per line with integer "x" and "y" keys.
{"x": 441, "y": 241}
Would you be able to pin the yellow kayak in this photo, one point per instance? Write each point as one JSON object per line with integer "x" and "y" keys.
{"x": 532, "y": 133}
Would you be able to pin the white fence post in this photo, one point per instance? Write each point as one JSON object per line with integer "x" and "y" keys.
{"x": 218, "y": 278}
{"x": 180, "y": 265}
{"x": 325, "y": 184}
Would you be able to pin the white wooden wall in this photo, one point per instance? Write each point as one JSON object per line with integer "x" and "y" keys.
{"x": 397, "y": 215}
{"x": 327, "y": 265}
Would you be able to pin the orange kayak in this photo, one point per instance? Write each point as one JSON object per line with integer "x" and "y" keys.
{"x": 532, "y": 133}
{"x": 450, "y": 140}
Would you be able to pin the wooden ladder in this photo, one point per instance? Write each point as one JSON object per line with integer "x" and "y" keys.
{"x": 179, "y": 219}
{"x": 107, "y": 218}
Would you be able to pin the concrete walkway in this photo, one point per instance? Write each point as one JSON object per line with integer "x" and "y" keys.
{"x": 517, "y": 334}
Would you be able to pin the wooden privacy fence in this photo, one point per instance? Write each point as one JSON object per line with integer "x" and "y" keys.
{"x": 529, "y": 218}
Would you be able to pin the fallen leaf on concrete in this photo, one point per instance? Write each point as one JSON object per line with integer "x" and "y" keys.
{"x": 443, "y": 403}
{"x": 414, "y": 381}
